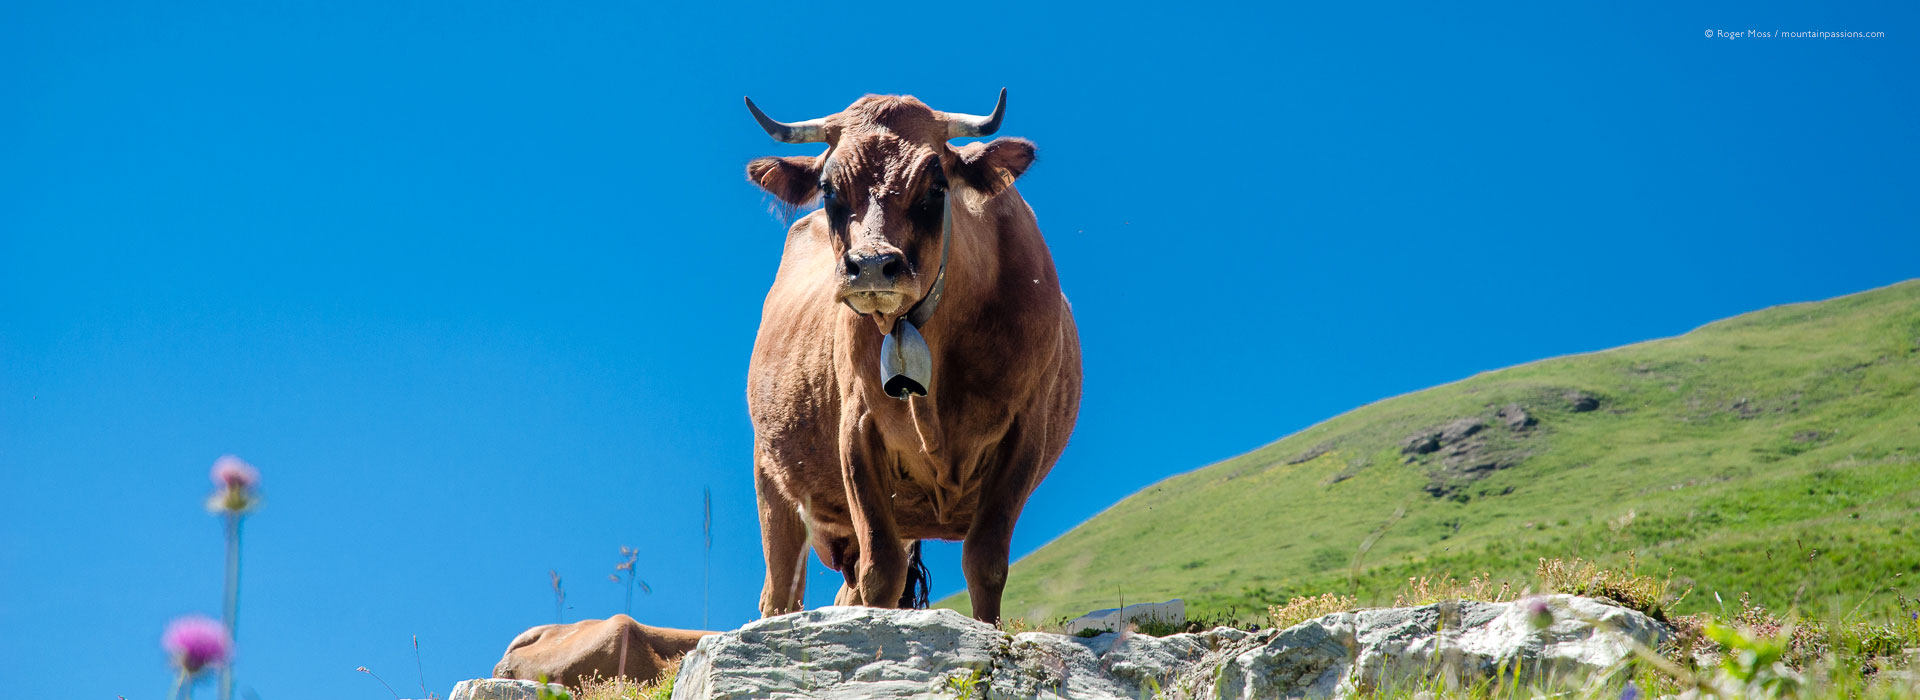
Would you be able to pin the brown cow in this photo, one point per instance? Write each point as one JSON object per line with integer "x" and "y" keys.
{"x": 594, "y": 648}
{"x": 925, "y": 251}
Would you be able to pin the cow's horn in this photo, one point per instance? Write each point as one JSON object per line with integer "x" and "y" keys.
{"x": 965, "y": 125}
{"x": 809, "y": 131}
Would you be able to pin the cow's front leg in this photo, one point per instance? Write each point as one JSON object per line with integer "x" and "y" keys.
{"x": 878, "y": 572}
{"x": 983, "y": 557}
{"x": 783, "y": 539}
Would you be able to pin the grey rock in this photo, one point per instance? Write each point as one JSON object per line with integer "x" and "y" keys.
{"x": 873, "y": 653}
{"x": 1311, "y": 453}
{"x": 1420, "y": 443}
{"x": 1515, "y": 416}
{"x": 1460, "y": 643}
{"x": 1459, "y": 429}
{"x": 1431, "y": 439}
{"x": 843, "y": 652}
{"x": 499, "y": 689}
{"x": 1106, "y": 666}
{"x": 1580, "y": 401}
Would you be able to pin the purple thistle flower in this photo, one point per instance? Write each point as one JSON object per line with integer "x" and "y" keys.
{"x": 234, "y": 473}
{"x": 197, "y": 642}
{"x": 1631, "y": 692}
{"x": 1539, "y": 614}
{"x": 236, "y": 480}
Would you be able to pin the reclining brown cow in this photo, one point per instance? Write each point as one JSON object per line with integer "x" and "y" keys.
{"x": 917, "y": 370}
{"x": 594, "y": 648}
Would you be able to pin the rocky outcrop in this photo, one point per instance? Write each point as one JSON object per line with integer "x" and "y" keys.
{"x": 499, "y": 689}
{"x": 845, "y": 652}
{"x": 1373, "y": 651}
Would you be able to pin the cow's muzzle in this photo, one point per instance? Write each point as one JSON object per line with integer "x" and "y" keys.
{"x": 874, "y": 281}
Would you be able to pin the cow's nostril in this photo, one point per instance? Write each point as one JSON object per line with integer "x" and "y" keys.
{"x": 876, "y": 268}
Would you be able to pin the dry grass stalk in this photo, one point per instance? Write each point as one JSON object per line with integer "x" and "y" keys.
{"x": 1307, "y": 608}
{"x": 1427, "y": 590}
{"x": 624, "y": 688}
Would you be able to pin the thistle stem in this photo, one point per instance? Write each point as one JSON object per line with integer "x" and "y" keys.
{"x": 231, "y": 613}
{"x": 179, "y": 682}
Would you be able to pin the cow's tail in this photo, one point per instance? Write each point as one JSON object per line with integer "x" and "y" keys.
{"x": 919, "y": 581}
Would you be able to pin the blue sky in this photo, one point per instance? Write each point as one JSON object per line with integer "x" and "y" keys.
{"x": 475, "y": 287}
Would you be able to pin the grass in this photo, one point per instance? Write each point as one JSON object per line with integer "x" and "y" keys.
{"x": 1648, "y": 594}
{"x": 1775, "y": 454}
{"x": 617, "y": 687}
{"x": 623, "y": 688}
{"x": 1427, "y": 590}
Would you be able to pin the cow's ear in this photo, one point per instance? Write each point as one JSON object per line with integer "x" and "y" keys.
{"x": 993, "y": 166}
{"x": 794, "y": 179}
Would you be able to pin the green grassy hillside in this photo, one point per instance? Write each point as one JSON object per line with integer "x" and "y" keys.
{"x": 1776, "y": 453}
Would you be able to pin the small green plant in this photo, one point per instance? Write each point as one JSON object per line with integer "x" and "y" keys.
{"x": 1755, "y": 664}
{"x": 1156, "y": 627}
{"x": 548, "y": 691}
{"x": 965, "y": 686}
{"x": 1230, "y": 617}
{"x": 1016, "y": 625}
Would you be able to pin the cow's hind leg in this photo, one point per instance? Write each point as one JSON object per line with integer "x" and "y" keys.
{"x": 919, "y": 586}
{"x": 783, "y": 539}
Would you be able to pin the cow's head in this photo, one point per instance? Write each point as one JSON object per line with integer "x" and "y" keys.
{"x": 883, "y": 184}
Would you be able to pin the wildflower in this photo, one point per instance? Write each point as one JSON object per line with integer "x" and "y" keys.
{"x": 1539, "y": 614}
{"x": 197, "y": 642}
{"x": 236, "y": 480}
{"x": 1631, "y": 692}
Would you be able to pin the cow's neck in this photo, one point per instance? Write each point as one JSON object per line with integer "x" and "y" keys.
{"x": 971, "y": 270}
{"x": 972, "y": 266}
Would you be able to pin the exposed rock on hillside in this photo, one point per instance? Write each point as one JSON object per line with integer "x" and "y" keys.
{"x": 1515, "y": 416}
{"x": 870, "y": 653}
{"x": 1465, "y": 452}
{"x": 1580, "y": 401}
